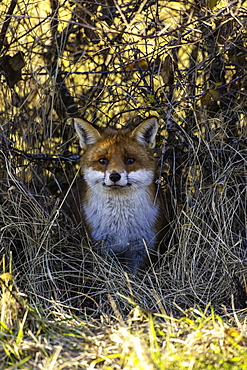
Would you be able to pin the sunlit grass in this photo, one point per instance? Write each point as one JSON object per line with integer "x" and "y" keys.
{"x": 64, "y": 307}
{"x": 199, "y": 339}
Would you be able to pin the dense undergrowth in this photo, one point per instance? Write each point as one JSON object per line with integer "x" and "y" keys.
{"x": 62, "y": 305}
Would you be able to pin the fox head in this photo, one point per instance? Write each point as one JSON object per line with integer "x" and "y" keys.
{"x": 117, "y": 159}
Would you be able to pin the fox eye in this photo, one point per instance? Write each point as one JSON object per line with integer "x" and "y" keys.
{"x": 103, "y": 161}
{"x": 130, "y": 161}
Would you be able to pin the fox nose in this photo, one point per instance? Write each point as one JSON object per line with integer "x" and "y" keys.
{"x": 115, "y": 177}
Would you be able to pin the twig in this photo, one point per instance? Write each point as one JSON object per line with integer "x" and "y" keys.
{"x": 41, "y": 156}
{"x": 7, "y": 22}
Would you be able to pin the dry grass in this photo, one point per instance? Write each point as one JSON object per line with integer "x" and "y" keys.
{"x": 143, "y": 340}
{"x": 81, "y": 311}
{"x": 205, "y": 261}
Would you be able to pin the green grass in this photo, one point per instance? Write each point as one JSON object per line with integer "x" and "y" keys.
{"x": 199, "y": 339}
{"x": 64, "y": 307}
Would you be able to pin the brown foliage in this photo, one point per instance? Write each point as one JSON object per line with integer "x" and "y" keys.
{"x": 109, "y": 61}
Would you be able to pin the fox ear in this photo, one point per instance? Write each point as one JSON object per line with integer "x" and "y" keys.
{"x": 86, "y": 132}
{"x": 146, "y": 132}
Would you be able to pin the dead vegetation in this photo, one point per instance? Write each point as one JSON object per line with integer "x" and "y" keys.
{"x": 112, "y": 62}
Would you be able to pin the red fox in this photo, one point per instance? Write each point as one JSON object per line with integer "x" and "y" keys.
{"x": 118, "y": 198}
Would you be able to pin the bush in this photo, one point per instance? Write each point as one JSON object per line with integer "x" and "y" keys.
{"x": 114, "y": 63}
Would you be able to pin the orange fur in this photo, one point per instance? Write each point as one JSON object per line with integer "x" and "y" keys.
{"x": 118, "y": 200}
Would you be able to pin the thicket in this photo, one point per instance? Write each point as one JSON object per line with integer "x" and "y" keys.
{"x": 115, "y": 62}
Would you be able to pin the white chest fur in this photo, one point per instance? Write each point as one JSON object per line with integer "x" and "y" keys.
{"x": 121, "y": 218}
